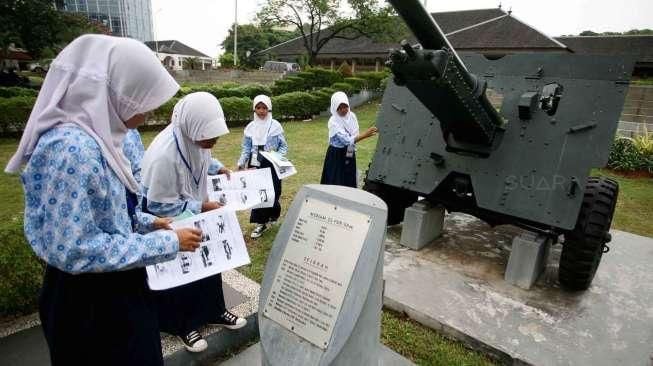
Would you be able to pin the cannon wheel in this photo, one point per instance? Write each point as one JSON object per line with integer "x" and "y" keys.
{"x": 584, "y": 246}
{"x": 397, "y": 199}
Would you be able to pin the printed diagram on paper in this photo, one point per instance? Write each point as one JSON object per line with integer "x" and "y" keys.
{"x": 222, "y": 248}
{"x": 246, "y": 189}
{"x": 282, "y": 166}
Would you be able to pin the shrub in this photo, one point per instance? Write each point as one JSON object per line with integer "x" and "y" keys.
{"x": 309, "y": 78}
{"x": 373, "y": 78}
{"x": 184, "y": 90}
{"x": 282, "y": 86}
{"x": 328, "y": 90}
{"x": 222, "y": 92}
{"x": 229, "y": 84}
{"x": 357, "y": 83}
{"x": 343, "y": 87}
{"x": 21, "y": 271}
{"x": 237, "y": 109}
{"x": 16, "y": 91}
{"x": 14, "y": 113}
{"x": 323, "y": 99}
{"x": 252, "y": 90}
{"x": 324, "y": 77}
{"x": 295, "y": 105}
{"x": 625, "y": 156}
{"x": 164, "y": 112}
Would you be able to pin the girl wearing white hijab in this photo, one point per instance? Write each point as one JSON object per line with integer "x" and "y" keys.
{"x": 340, "y": 160}
{"x": 263, "y": 133}
{"x": 174, "y": 180}
{"x": 95, "y": 307}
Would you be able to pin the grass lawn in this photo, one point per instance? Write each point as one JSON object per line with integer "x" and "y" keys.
{"x": 308, "y": 143}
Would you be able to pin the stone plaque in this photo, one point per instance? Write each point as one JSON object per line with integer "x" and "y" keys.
{"x": 315, "y": 269}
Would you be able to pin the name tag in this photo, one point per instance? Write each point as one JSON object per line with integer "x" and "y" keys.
{"x": 254, "y": 160}
{"x": 350, "y": 150}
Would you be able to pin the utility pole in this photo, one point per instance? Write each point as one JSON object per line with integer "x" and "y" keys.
{"x": 235, "y": 33}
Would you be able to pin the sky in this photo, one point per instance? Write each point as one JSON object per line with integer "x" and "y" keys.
{"x": 204, "y": 24}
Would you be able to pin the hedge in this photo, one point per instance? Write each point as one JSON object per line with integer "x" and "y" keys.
{"x": 14, "y": 113}
{"x": 324, "y": 77}
{"x": 358, "y": 84}
{"x": 21, "y": 272}
{"x": 16, "y": 91}
{"x": 236, "y": 103}
{"x": 252, "y": 90}
{"x": 344, "y": 87}
{"x": 237, "y": 109}
{"x": 373, "y": 79}
{"x": 283, "y": 86}
{"x": 164, "y": 112}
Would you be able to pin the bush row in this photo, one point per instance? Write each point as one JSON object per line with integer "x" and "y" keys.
{"x": 227, "y": 90}
{"x": 632, "y": 154}
{"x": 15, "y": 111}
{"x": 320, "y": 78}
{"x": 16, "y": 91}
{"x": 21, "y": 272}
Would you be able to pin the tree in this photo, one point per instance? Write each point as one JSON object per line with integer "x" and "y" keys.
{"x": 631, "y": 32}
{"x": 320, "y": 21}
{"x": 254, "y": 39}
{"x": 226, "y": 59}
{"x": 39, "y": 28}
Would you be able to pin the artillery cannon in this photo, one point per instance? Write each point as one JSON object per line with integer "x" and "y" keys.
{"x": 525, "y": 162}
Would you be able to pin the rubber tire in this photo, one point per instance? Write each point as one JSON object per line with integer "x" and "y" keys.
{"x": 396, "y": 199}
{"x": 583, "y": 247}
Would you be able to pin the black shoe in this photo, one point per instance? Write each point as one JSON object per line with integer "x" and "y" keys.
{"x": 230, "y": 320}
{"x": 193, "y": 342}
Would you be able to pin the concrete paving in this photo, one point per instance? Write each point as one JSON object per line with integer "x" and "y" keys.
{"x": 26, "y": 345}
{"x": 252, "y": 356}
{"x": 456, "y": 285}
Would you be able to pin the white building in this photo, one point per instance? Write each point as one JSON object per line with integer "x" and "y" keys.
{"x": 175, "y": 55}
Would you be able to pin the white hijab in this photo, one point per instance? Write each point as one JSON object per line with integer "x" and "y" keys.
{"x": 174, "y": 165}
{"x": 259, "y": 129}
{"x": 96, "y": 83}
{"x": 348, "y": 124}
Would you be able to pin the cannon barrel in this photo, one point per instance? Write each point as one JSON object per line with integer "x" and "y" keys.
{"x": 439, "y": 79}
{"x": 426, "y": 30}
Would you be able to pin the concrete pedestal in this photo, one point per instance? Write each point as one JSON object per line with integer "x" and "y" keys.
{"x": 527, "y": 259}
{"x": 422, "y": 224}
{"x": 456, "y": 285}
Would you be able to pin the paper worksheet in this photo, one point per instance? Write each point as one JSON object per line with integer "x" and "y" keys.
{"x": 282, "y": 166}
{"x": 222, "y": 248}
{"x": 245, "y": 189}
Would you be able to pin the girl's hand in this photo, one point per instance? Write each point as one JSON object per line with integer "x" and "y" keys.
{"x": 210, "y": 205}
{"x": 189, "y": 239}
{"x": 225, "y": 171}
{"x": 162, "y": 223}
{"x": 371, "y": 131}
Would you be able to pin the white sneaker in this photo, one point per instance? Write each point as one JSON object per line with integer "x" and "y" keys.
{"x": 258, "y": 231}
{"x": 194, "y": 342}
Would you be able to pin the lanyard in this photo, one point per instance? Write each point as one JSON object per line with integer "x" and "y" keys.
{"x": 197, "y": 181}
